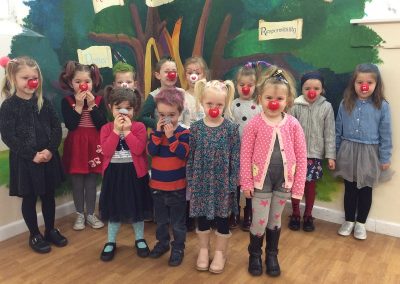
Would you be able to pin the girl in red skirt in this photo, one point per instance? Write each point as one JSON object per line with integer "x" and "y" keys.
{"x": 84, "y": 114}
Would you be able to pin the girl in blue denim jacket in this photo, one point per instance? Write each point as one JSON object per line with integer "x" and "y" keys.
{"x": 363, "y": 145}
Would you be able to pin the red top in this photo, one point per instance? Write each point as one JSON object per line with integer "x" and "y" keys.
{"x": 136, "y": 141}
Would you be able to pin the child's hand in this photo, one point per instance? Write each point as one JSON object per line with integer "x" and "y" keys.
{"x": 127, "y": 124}
{"x": 384, "y": 167}
{"x": 160, "y": 124}
{"x": 169, "y": 130}
{"x": 39, "y": 158}
{"x": 80, "y": 99}
{"x": 90, "y": 99}
{"x": 248, "y": 193}
{"x": 331, "y": 164}
{"x": 47, "y": 155}
{"x": 119, "y": 123}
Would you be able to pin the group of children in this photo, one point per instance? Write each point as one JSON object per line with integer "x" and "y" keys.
{"x": 205, "y": 147}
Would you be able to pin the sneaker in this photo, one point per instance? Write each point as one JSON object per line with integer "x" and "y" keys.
{"x": 294, "y": 223}
{"x": 176, "y": 257}
{"x": 308, "y": 224}
{"x": 346, "y": 228}
{"x": 79, "y": 222}
{"x": 359, "y": 231}
{"x": 38, "y": 244}
{"x": 158, "y": 250}
{"x": 54, "y": 236}
{"x": 94, "y": 222}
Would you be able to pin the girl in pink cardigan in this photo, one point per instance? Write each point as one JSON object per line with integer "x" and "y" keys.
{"x": 273, "y": 165}
{"x": 124, "y": 187}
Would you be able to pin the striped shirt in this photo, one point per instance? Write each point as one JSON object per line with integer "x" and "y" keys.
{"x": 169, "y": 155}
{"x": 86, "y": 119}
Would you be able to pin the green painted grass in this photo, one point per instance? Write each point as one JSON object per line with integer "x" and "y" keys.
{"x": 327, "y": 186}
{"x": 4, "y": 168}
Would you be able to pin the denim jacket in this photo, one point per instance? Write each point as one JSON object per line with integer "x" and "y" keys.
{"x": 366, "y": 124}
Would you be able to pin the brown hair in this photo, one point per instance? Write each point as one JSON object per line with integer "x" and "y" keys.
{"x": 350, "y": 95}
{"x": 71, "y": 67}
{"x": 161, "y": 62}
{"x": 117, "y": 95}
{"x": 201, "y": 62}
{"x": 12, "y": 68}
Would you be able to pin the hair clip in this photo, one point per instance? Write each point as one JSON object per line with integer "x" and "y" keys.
{"x": 278, "y": 75}
{"x": 255, "y": 64}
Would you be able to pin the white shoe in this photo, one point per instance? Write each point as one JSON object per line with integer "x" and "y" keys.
{"x": 359, "y": 231}
{"x": 346, "y": 228}
{"x": 79, "y": 222}
{"x": 94, "y": 222}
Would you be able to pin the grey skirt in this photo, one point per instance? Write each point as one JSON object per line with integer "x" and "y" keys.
{"x": 358, "y": 162}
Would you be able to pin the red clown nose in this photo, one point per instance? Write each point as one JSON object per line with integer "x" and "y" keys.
{"x": 364, "y": 87}
{"x": 213, "y": 112}
{"x": 311, "y": 94}
{"x": 83, "y": 87}
{"x": 246, "y": 90}
{"x": 33, "y": 84}
{"x": 171, "y": 75}
{"x": 273, "y": 105}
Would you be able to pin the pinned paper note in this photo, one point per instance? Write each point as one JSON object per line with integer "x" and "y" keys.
{"x": 99, "y": 55}
{"x": 274, "y": 30}
{"x": 99, "y": 5}
{"x": 156, "y": 3}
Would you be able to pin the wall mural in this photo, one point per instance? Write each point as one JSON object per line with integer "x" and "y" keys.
{"x": 225, "y": 32}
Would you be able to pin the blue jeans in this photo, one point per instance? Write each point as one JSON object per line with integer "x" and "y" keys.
{"x": 170, "y": 208}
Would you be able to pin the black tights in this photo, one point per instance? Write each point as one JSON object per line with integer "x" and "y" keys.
{"x": 222, "y": 224}
{"x": 357, "y": 200}
{"x": 28, "y": 209}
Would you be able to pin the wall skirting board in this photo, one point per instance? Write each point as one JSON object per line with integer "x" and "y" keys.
{"x": 326, "y": 214}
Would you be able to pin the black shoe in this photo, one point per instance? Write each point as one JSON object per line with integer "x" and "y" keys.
{"x": 38, "y": 244}
{"x": 271, "y": 251}
{"x": 308, "y": 224}
{"x": 233, "y": 221}
{"x": 176, "y": 257}
{"x": 108, "y": 256}
{"x": 294, "y": 223}
{"x": 247, "y": 218}
{"x": 158, "y": 250}
{"x": 142, "y": 252}
{"x": 255, "y": 252}
{"x": 55, "y": 237}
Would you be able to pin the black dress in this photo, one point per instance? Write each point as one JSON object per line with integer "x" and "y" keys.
{"x": 27, "y": 131}
{"x": 123, "y": 196}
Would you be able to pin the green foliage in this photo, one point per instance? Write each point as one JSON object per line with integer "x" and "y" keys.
{"x": 4, "y": 168}
{"x": 328, "y": 185}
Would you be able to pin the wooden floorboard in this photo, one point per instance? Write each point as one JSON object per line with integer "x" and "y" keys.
{"x": 318, "y": 257}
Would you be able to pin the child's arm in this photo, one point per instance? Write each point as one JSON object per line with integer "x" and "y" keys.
{"x": 137, "y": 138}
{"x": 71, "y": 117}
{"x": 385, "y": 136}
{"x": 234, "y": 159}
{"x": 179, "y": 144}
{"x": 108, "y": 140}
{"x": 153, "y": 146}
{"x": 339, "y": 126}
{"x": 147, "y": 114}
{"x": 98, "y": 115}
{"x": 8, "y": 131}
{"x": 246, "y": 156}
{"x": 300, "y": 151}
{"x": 55, "y": 127}
{"x": 329, "y": 134}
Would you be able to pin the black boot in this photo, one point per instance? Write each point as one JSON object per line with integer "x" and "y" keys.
{"x": 247, "y": 219}
{"x": 255, "y": 261}
{"x": 271, "y": 251}
{"x": 234, "y": 220}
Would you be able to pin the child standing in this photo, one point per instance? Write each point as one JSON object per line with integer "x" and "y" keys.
{"x": 364, "y": 145}
{"x": 315, "y": 115}
{"x": 29, "y": 126}
{"x": 244, "y": 109}
{"x": 124, "y": 186}
{"x": 84, "y": 115}
{"x": 124, "y": 75}
{"x": 169, "y": 148}
{"x": 212, "y": 170}
{"x": 273, "y": 164}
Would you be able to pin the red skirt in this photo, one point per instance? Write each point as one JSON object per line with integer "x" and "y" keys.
{"x": 82, "y": 151}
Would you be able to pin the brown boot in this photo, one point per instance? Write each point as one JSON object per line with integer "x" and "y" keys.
{"x": 221, "y": 246}
{"x": 203, "y": 259}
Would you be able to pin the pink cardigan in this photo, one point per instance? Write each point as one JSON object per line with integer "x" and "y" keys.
{"x": 257, "y": 146}
{"x": 136, "y": 141}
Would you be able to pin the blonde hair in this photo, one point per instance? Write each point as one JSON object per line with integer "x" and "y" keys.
{"x": 275, "y": 75}
{"x": 226, "y": 87}
{"x": 13, "y": 67}
{"x": 199, "y": 61}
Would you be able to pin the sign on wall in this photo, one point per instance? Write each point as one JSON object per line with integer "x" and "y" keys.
{"x": 274, "y": 30}
{"x": 99, "y": 55}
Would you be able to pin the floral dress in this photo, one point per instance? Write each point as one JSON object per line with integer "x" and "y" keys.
{"x": 212, "y": 170}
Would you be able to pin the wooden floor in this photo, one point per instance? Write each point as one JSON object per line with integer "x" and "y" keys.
{"x": 318, "y": 257}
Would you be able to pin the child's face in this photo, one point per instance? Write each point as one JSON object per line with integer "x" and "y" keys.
{"x": 193, "y": 73}
{"x": 124, "y": 80}
{"x": 168, "y": 113}
{"x": 116, "y": 109}
{"x": 79, "y": 78}
{"x": 364, "y": 85}
{"x": 165, "y": 76}
{"x": 25, "y": 80}
{"x": 311, "y": 90}
{"x": 246, "y": 86}
{"x": 273, "y": 99}
{"x": 214, "y": 101}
